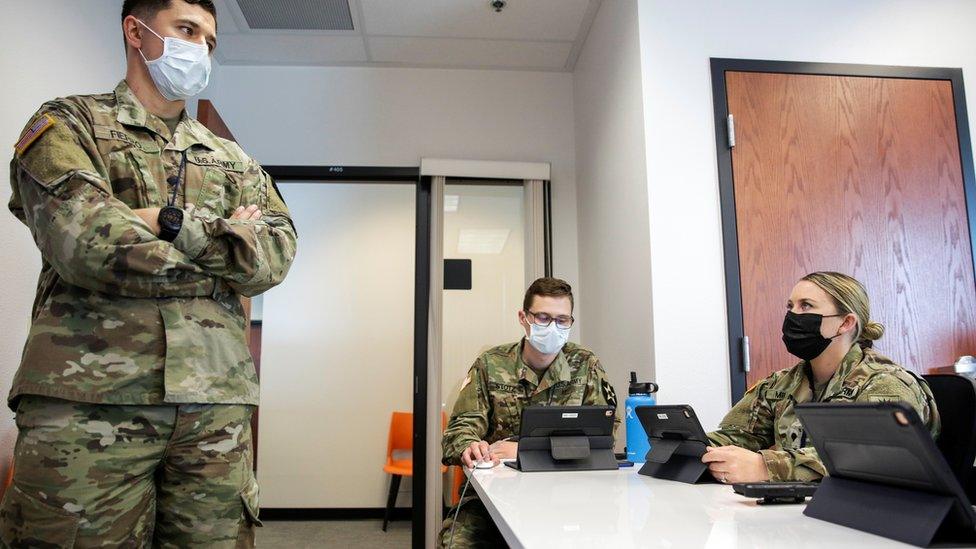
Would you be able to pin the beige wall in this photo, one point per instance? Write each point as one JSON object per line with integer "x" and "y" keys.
{"x": 395, "y": 117}
{"x": 337, "y": 347}
{"x": 51, "y": 48}
{"x": 615, "y": 269}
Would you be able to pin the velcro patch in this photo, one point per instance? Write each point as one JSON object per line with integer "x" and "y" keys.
{"x": 213, "y": 162}
{"x": 106, "y": 132}
{"x": 37, "y": 129}
{"x": 608, "y": 393}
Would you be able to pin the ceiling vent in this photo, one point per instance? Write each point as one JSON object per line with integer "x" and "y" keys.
{"x": 323, "y": 15}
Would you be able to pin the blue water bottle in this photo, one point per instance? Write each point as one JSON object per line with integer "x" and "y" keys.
{"x": 641, "y": 394}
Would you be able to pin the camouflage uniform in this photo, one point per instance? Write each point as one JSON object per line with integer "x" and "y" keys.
{"x": 124, "y": 318}
{"x": 764, "y": 420}
{"x": 499, "y": 385}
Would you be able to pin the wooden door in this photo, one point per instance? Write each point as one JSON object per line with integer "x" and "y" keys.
{"x": 860, "y": 175}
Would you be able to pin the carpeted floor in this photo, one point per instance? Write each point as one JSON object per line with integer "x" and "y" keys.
{"x": 364, "y": 534}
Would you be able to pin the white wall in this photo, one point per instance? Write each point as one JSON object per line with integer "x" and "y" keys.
{"x": 393, "y": 117}
{"x": 614, "y": 248}
{"x": 52, "y": 48}
{"x": 677, "y": 39}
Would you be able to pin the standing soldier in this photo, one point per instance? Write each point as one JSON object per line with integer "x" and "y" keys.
{"x": 541, "y": 369}
{"x": 136, "y": 389}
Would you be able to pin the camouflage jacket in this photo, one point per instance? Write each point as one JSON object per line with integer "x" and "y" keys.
{"x": 120, "y": 316}
{"x": 499, "y": 385}
{"x": 764, "y": 420}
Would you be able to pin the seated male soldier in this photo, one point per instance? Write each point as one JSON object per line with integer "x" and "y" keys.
{"x": 541, "y": 369}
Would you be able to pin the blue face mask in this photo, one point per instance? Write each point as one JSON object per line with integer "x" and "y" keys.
{"x": 548, "y": 340}
{"x": 182, "y": 71}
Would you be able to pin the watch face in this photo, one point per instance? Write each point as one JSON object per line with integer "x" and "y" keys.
{"x": 171, "y": 218}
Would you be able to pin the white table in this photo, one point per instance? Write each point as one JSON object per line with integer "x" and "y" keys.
{"x": 620, "y": 509}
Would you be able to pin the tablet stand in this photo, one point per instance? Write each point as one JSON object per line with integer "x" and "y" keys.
{"x": 676, "y": 459}
{"x": 566, "y": 453}
{"x": 909, "y": 516}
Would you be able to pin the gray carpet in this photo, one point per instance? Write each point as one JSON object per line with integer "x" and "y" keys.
{"x": 365, "y": 534}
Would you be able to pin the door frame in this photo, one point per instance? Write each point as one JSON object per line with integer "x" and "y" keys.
{"x": 719, "y": 66}
{"x": 409, "y": 176}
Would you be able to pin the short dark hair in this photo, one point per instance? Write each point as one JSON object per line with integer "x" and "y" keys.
{"x": 548, "y": 287}
{"x": 147, "y": 9}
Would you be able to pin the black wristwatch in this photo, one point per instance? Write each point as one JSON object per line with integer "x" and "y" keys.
{"x": 170, "y": 223}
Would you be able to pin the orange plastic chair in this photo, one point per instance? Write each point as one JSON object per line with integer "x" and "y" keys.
{"x": 399, "y": 456}
{"x": 9, "y": 479}
{"x": 457, "y": 479}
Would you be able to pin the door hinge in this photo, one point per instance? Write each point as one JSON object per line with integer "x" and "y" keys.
{"x": 730, "y": 127}
{"x": 745, "y": 354}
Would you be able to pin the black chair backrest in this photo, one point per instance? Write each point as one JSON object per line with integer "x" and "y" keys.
{"x": 955, "y": 396}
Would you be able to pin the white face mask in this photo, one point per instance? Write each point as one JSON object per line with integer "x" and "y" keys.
{"x": 182, "y": 71}
{"x": 548, "y": 340}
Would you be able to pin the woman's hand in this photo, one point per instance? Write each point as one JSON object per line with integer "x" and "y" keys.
{"x": 731, "y": 464}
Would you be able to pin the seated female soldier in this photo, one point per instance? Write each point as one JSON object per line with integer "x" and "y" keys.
{"x": 827, "y": 326}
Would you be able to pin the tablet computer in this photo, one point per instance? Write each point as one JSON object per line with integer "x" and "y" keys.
{"x": 676, "y": 421}
{"x": 880, "y": 445}
{"x": 566, "y": 438}
{"x": 677, "y": 443}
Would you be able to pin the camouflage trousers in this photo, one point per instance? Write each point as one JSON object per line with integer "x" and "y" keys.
{"x": 90, "y": 475}
{"x": 475, "y": 528}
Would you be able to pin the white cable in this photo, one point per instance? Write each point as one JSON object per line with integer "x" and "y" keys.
{"x": 464, "y": 490}
{"x": 458, "y": 509}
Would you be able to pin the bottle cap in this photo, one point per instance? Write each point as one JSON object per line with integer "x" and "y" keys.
{"x": 644, "y": 388}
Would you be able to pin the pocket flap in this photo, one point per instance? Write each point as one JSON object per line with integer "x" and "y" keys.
{"x": 26, "y": 521}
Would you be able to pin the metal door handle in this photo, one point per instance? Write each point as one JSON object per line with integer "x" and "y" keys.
{"x": 745, "y": 354}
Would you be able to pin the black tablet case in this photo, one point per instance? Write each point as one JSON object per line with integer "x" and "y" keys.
{"x": 549, "y": 441}
{"x": 885, "y": 478}
{"x": 676, "y": 446}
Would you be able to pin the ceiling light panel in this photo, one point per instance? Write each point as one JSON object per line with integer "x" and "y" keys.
{"x": 482, "y": 241}
{"x": 451, "y": 202}
{"x": 322, "y": 15}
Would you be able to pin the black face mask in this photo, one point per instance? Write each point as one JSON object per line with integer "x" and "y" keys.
{"x": 801, "y": 334}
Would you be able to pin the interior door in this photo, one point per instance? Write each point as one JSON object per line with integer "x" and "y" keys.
{"x": 857, "y": 174}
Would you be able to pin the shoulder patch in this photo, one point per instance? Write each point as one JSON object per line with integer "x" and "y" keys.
{"x": 36, "y": 130}
{"x": 608, "y": 393}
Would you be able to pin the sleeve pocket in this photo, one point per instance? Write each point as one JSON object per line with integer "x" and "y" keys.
{"x": 28, "y": 522}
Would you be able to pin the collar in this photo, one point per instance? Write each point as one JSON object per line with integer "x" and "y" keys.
{"x": 835, "y": 385}
{"x": 557, "y": 372}
{"x": 189, "y": 132}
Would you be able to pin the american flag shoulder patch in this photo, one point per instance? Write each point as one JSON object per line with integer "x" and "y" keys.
{"x": 41, "y": 125}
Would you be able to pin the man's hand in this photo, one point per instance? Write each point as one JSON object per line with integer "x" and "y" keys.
{"x": 731, "y": 464}
{"x": 151, "y": 217}
{"x": 504, "y": 449}
{"x": 250, "y": 213}
{"x": 478, "y": 451}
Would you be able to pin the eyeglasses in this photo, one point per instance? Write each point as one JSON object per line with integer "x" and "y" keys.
{"x": 545, "y": 319}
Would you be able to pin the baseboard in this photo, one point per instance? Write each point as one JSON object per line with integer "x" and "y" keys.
{"x": 353, "y": 513}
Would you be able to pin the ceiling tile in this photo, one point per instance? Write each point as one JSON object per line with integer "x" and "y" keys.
{"x": 451, "y": 52}
{"x": 521, "y": 20}
{"x": 290, "y": 49}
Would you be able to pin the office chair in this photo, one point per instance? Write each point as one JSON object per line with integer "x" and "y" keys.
{"x": 955, "y": 395}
